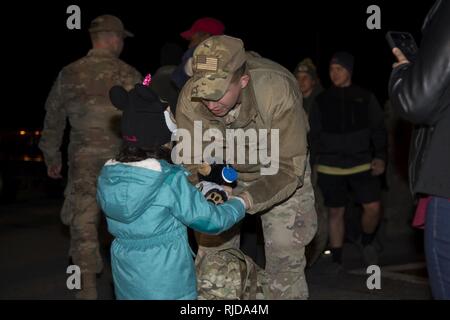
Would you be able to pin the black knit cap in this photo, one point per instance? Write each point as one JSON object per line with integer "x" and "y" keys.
{"x": 344, "y": 59}
{"x": 143, "y": 124}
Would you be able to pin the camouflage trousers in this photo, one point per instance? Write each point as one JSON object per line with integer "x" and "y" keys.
{"x": 288, "y": 228}
{"x": 316, "y": 247}
{"x": 81, "y": 213}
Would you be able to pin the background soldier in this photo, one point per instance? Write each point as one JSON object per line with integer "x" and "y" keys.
{"x": 80, "y": 94}
{"x": 308, "y": 82}
{"x": 309, "y": 85}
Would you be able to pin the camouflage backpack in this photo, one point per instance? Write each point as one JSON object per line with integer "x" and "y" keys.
{"x": 229, "y": 274}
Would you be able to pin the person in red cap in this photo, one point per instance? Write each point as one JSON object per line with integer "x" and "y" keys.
{"x": 201, "y": 30}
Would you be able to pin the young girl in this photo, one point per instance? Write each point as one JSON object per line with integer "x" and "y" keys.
{"x": 149, "y": 203}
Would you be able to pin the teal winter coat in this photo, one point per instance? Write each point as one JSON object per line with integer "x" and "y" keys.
{"x": 148, "y": 206}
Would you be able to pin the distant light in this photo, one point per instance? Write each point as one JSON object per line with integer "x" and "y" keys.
{"x": 33, "y": 159}
{"x": 22, "y": 132}
{"x": 327, "y": 252}
{"x": 36, "y": 133}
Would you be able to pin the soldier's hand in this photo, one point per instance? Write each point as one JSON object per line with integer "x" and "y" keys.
{"x": 54, "y": 171}
{"x": 378, "y": 167}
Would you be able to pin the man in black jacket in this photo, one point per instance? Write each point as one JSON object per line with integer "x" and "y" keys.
{"x": 420, "y": 92}
{"x": 348, "y": 149}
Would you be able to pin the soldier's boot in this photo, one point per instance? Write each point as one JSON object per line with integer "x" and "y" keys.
{"x": 88, "y": 287}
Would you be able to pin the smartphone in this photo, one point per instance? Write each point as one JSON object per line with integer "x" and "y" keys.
{"x": 405, "y": 42}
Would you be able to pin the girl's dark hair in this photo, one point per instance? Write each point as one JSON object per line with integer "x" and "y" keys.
{"x": 130, "y": 153}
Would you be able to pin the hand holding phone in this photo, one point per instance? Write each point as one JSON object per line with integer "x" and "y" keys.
{"x": 401, "y": 58}
{"x": 405, "y": 42}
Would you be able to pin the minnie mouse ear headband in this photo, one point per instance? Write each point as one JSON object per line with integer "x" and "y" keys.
{"x": 143, "y": 123}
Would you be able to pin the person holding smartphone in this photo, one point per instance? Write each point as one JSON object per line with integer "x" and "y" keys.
{"x": 420, "y": 92}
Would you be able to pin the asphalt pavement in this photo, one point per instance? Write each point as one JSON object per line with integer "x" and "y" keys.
{"x": 34, "y": 259}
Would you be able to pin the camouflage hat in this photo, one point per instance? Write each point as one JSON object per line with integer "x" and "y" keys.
{"x": 214, "y": 62}
{"x": 109, "y": 23}
{"x": 307, "y": 66}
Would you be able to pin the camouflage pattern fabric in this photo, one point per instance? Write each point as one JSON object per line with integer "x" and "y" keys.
{"x": 316, "y": 247}
{"x": 229, "y": 274}
{"x": 81, "y": 95}
{"x": 80, "y": 211}
{"x": 287, "y": 228}
{"x": 213, "y": 72}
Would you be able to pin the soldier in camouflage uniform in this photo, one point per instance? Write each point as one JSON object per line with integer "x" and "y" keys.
{"x": 80, "y": 94}
{"x": 233, "y": 90}
{"x": 308, "y": 82}
{"x": 309, "y": 85}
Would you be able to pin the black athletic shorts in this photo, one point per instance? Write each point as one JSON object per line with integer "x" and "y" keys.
{"x": 336, "y": 188}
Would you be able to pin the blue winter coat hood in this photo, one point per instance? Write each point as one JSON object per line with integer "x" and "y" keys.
{"x": 130, "y": 188}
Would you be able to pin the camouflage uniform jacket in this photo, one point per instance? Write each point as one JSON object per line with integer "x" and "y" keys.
{"x": 81, "y": 94}
{"x": 271, "y": 100}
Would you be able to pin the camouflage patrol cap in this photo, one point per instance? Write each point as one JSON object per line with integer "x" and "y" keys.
{"x": 307, "y": 66}
{"x": 109, "y": 23}
{"x": 214, "y": 62}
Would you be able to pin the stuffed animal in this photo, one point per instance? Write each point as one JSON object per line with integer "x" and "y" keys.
{"x": 213, "y": 177}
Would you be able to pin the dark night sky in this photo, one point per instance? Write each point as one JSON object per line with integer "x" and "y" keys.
{"x": 38, "y": 43}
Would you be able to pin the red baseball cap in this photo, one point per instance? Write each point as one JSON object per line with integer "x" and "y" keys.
{"x": 208, "y": 25}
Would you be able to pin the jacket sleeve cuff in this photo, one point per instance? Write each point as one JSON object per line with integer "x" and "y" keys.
{"x": 247, "y": 198}
{"x": 241, "y": 200}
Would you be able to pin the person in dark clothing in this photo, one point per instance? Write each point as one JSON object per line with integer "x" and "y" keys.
{"x": 170, "y": 57}
{"x": 201, "y": 30}
{"x": 348, "y": 150}
{"x": 420, "y": 92}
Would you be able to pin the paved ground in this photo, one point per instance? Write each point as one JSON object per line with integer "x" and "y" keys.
{"x": 403, "y": 276}
{"x": 33, "y": 261}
